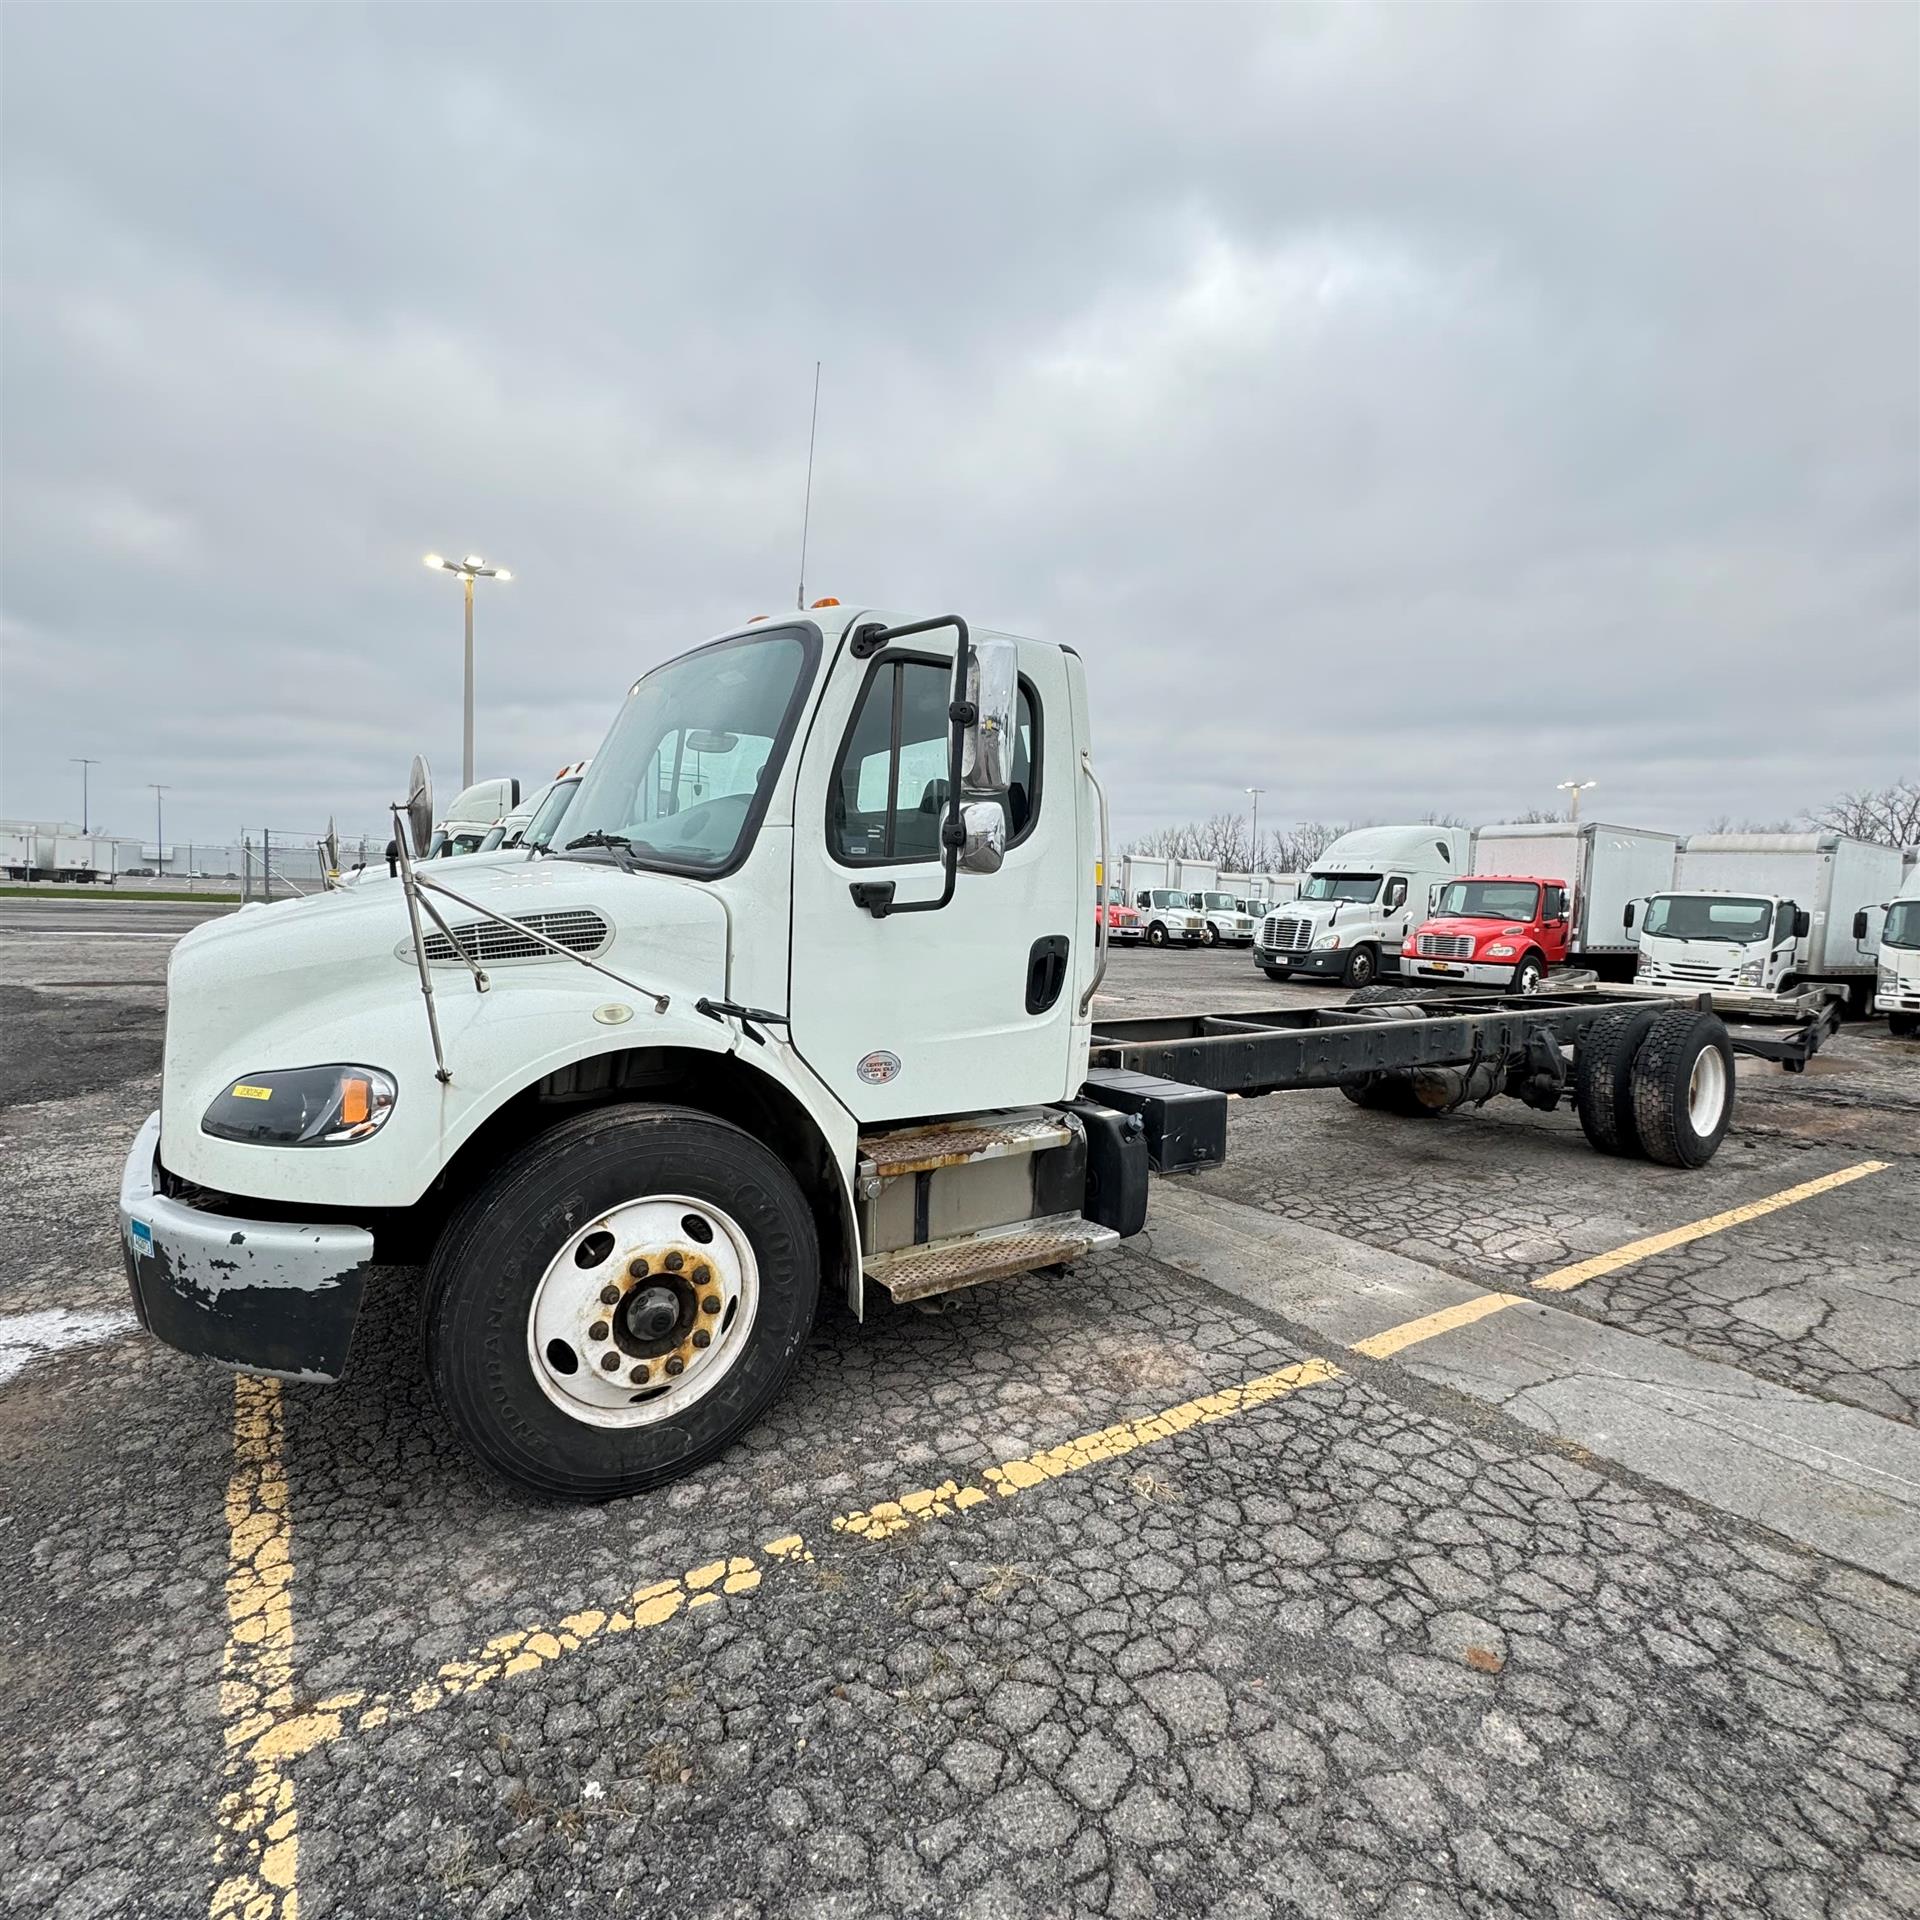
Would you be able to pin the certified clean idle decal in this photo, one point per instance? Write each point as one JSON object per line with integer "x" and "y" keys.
{"x": 879, "y": 1067}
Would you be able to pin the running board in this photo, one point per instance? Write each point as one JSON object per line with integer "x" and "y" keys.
{"x": 944, "y": 1266}
{"x": 888, "y": 1156}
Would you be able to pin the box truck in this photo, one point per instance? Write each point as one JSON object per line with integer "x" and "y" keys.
{"x": 1359, "y": 902}
{"x": 1153, "y": 886}
{"x": 1896, "y": 991}
{"x": 1767, "y": 913}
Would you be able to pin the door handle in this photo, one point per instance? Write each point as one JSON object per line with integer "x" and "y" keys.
{"x": 1046, "y": 971}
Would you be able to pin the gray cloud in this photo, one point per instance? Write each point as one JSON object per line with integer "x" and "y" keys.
{"x": 1400, "y": 409}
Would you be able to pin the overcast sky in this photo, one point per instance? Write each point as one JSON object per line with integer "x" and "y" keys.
{"x": 1398, "y": 409}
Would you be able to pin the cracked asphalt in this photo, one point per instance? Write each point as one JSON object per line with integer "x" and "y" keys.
{"x": 1401, "y": 1634}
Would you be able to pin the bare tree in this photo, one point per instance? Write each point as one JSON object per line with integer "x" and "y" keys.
{"x": 1890, "y": 815}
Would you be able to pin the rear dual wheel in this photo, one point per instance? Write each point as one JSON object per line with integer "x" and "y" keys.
{"x": 1655, "y": 1084}
{"x": 620, "y": 1301}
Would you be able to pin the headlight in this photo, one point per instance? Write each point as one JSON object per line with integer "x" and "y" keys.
{"x": 1750, "y": 972}
{"x": 1501, "y": 952}
{"x": 303, "y": 1107}
{"x": 1643, "y": 964}
{"x": 1328, "y": 941}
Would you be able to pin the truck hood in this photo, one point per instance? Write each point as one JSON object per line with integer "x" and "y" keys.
{"x": 332, "y": 977}
{"x": 1480, "y": 929}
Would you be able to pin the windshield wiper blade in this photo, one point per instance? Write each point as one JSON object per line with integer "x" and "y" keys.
{"x": 615, "y": 843}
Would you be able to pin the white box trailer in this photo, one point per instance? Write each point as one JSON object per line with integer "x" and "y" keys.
{"x": 73, "y": 856}
{"x": 1801, "y": 893}
{"x": 1603, "y": 866}
{"x": 17, "y": 860}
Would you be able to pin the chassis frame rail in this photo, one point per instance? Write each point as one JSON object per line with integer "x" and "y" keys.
{"x": 1286, "y": 1048}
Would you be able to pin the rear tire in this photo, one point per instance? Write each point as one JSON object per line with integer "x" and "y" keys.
{"x": 568, "y": 1431}
{"x": 1390, "y": 1092}
{"x": 1603, "y": 1080}
{"x": 1377, "y": 995}
{"x": 1683, "y": 1088}
{"x": 1903, "y": 1026}
{"x": 1362, "y": 966}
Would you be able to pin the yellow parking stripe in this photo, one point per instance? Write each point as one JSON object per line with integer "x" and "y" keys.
{"x": 258, "y": 1850}
{"x": 1411, "y": 1332}
{"x": 1567, "y": 1278}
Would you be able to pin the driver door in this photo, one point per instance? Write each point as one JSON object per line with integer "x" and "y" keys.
{"x": 962, "y": 1009}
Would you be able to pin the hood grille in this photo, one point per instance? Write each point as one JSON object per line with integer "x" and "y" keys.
{"x": 1445, "y": 946}
{"x": 1287, "y": 933}
{"x": 578, "y": 929}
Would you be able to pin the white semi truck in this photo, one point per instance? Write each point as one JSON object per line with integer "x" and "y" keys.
{"x": 1358, "y": 903}
{"x": 1766, "y": 913}
{"x": 636, "y": 1100}
{"x": 1896, "y": 990}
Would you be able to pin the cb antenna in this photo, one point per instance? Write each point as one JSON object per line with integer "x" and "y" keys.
{"x": 806, "y": 516}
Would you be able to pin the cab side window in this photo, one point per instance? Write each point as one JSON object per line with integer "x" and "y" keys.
{"x": 1556, "y": 904}
{"x": 889, "y": 791}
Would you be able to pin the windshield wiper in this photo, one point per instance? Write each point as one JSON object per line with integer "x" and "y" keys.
{"x": 616, "y": 843}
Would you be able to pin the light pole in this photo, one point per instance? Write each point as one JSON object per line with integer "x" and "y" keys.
{"x": 80, "y": 761}
{"x": 1253, "y": 860}
{"x": 470, "y": 569}
{"x": 1576, "y": 788}
{"x": 159, "y": 837}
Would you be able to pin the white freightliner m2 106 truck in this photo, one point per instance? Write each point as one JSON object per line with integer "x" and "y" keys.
{"x": 803, "y": 996}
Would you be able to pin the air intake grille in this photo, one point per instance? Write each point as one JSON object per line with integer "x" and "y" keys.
{"x": 1286, "y": 933}
{"x": 1445, "y": 946}
{"x": 578, "y": 929}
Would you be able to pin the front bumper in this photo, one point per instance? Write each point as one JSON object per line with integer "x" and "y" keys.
{"x": 1125, "y": 936}
{"x": 273, "y": 1296}
{"x": 1331, "y": 960}
{"x": 1895, "y": 1002}
{"x": 1469, "y": 973}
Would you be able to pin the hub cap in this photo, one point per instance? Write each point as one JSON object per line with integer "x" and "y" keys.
{"x": 643, "y": 1311}
{"x": 1707, "y": 1091}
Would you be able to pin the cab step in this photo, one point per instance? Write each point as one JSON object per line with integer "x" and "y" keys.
{"x": 944, "y": 1266}
{"x": 928, "y": 1149}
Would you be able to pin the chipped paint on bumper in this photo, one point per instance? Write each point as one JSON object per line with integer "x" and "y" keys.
{"x": 272, "y": 1296}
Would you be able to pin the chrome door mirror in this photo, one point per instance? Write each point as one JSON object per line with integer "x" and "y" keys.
{"x": 985, "y": 825}
{"x": 993, "y": 691}
{"x": 420, "y": 805}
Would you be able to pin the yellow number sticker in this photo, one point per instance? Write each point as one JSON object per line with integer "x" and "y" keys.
{"x": 242, "y": 1091}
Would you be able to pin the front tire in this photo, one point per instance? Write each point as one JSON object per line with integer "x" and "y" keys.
{"x": 1212, "y": 935}
{"x": 1363, "y": 965}
{"x": 620, "y": 1301}
{"x": 1903, "y": 1026}
{"x": 1528, "y": 975}
{"x": 1156, "y": 935}
{"x": 1277, "y": 973}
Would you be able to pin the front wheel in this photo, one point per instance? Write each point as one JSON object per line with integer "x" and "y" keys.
{"x": 1156, "y": 935}
{"x": 1212, "y": 935}
{"x": 1903, "y": 1026}
{"x": 1362, "y": 966}
{"x": 621, "y": 1301}
{"x": 1528, "y": 975}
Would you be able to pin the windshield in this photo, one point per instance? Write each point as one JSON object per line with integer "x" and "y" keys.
{"x": 1698, "y": 916}
{"x": 685, "y": 773}
{"x": 1903, "y": 925}
{"x": 494, "y": 838}
{"x": 1488, "y": 900}
{"x": 1113, "y": 897}
{"x": 1341, "y": 886}
{"x": 1166, "y": 897}
{"x": 1221, "y": 903}
{"x": 549, "y": 813}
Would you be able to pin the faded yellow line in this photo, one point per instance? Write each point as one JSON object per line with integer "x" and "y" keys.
{"x": 1566, "y": 1278}
{"x": 257, "y": 1851}
{"x": 1013, "y": 1477}
{"x": 1410, "y": 1333}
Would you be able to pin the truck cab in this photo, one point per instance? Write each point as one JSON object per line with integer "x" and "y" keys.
{"x": 1896, "y": 991}
{"x": 1750, "y": 942}
{"x": 1357, "y": 905}
{"x": 1169, "y": 917}
{"x": 1504, "y": 931}
{"x": 1123, "y": 921}
{"x": 1224, "y": 920}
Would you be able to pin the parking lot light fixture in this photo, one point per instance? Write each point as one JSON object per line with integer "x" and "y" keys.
{"x": 1576, "y": 788}
{"x": 470, "y": 569}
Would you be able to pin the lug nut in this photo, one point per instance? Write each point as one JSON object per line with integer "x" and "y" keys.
{"x": 611, "y": 1361}
{"x": 676, "y": 1365}
{"x": 639, "y": 1375}
{"x": 702, "y": 1274}
{"x": 675, "y": 1262}
{"x": 702, "y": 1338}
{"x": 711, "y": 1304}
{"x": 599, "y": 1330}
{"x": 637, "y": 1269}
{"x": 609, "y": 1296}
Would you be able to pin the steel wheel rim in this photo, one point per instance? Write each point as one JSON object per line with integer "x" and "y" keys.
{"x": 1529, "y": 979}
{"x": 648, "y": 1254}
{"x": 1707, "y": 1090}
